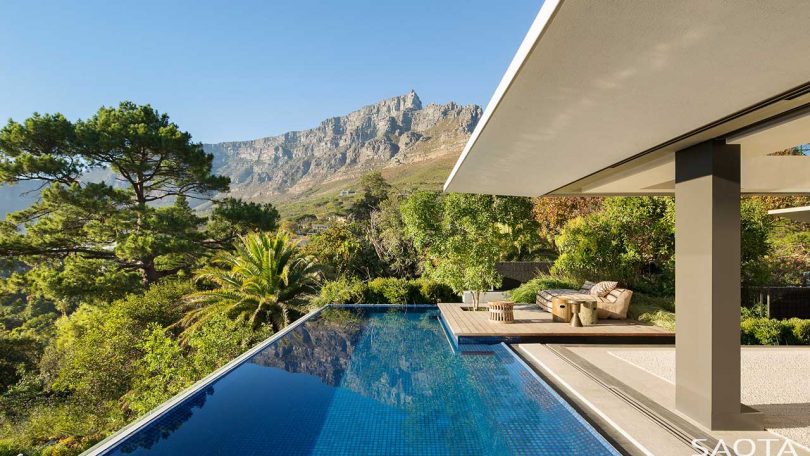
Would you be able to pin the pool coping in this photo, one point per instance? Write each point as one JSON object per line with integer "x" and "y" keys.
{"x": 111, "y": 441}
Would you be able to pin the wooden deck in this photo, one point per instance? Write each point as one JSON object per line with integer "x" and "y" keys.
{"x": 533, "y": 324}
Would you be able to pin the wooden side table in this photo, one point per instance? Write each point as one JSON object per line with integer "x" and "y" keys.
{"x": 502, "y": 311}
{"x": 587, "y": 313}
{"x": 583, "y": 308}
{"x": 560, "y": 310}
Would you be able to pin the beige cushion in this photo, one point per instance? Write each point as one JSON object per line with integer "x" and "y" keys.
{"x": 615, "y": 305}
{"x": 602, "y": 289}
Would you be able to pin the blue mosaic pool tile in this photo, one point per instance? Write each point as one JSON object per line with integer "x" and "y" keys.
{"x": 388, "y": 383}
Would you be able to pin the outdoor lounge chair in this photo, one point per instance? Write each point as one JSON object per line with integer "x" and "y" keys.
{"x": 615, "y": 305}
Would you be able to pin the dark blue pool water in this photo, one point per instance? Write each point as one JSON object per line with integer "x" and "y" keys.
{"x": 372, "y": 381}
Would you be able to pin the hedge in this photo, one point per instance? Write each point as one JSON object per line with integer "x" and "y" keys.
{"x": 386, "y": 290}
{"x": 764, "y": 331}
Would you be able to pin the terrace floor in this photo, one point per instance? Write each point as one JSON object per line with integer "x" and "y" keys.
{"x": 535, "y": 325}
{"x": 630, "y": 390}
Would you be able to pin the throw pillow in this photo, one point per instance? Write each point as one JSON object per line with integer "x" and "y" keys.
{"x": 602, "y": 289}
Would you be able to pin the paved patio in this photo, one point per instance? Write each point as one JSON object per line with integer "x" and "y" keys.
{"x": 632, "y": 389}
{"x": 775, "y": 381}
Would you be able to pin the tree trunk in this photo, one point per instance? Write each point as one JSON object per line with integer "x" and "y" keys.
{"x": 149, "y": 273}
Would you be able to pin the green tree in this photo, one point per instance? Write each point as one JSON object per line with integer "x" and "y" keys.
{"x": 343, "y": 249}
{"x": 113, "y": 215}
{"x": 167, "y": 367}
{"x": 631, "y": 240}
{"x": 93, "y": 355}
{"x": 553, "y": 212}
{"x": 515, "y": 218}
{"x": 262, "y": 281}
{"x": 756, "y": 227}
{"x": 221, "y": 340}
{"x": 161, "y": 372}
{"x": 373, "y": 191}
{"x": 462, "y": 237}
{"x": 386, "y": 233}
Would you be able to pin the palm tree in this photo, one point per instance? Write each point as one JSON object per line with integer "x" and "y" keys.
{"x": 262, "y": 281}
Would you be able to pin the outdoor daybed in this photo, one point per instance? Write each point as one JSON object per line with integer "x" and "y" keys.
{"x": 614, "y": 304}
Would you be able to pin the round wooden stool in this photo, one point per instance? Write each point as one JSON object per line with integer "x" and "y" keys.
{"x": 502, "y": 311}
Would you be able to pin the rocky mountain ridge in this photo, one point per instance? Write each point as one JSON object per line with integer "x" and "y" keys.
{"x": 395, "y": 132}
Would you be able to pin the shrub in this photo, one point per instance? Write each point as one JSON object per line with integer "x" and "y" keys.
{"x": 341, "y": 291}
{"x": 434, "y": 292}
{"x": 94, "y": 353}
{"x": 159, "y": 304}
{"x": 390, "y": 290}
{"x": 764, "y": 331}
{"x": 527, "y": 293}
{"x": 656, "y": 310}
{"x": 384, "y": 291}
{"x": 760, "y": 331}
{"x": 801, "y": 331}
{"x": 755, "y": 311}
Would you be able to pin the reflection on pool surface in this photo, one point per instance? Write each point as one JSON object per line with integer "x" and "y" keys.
{"x": 371, "y": 381}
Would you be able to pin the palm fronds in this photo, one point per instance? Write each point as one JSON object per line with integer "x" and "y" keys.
{"x": 261, "y": 282}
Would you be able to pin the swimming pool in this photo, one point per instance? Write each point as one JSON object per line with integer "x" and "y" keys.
{"x": 370, "y": 380}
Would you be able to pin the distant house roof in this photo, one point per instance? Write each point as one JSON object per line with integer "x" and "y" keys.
{"x": 601, "y": 94}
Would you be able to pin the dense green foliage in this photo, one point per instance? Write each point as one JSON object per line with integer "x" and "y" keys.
{"x": 263, "y": 281}
{"x": 344, "y": 251}
{"x": 764, "y": 331}
{"x": 463, "y": 236}
{"x": 371, "y": 243}
{"x": 632, "y": 240}
{"x": 114, "y": 215}
{"x": 385, "y": 290}
{"x": 95, "y": 272}
{"x": 756, "y": 328}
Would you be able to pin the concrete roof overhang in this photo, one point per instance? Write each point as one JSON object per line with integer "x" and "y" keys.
{"x": 601, "y": 94}
{"x": 799, "y": 214}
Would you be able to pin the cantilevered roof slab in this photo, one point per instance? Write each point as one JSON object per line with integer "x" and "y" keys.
{"x": 601, "y": 94}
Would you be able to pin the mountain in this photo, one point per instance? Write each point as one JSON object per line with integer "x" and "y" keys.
{"x": 412, "y": 144}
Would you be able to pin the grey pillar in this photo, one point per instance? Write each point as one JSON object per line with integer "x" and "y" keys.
{"x": 707, "y": 286}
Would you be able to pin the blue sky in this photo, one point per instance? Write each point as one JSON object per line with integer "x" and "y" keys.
{"x": 230, "y": 70}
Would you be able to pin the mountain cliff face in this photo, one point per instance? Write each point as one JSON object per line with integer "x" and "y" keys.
{"x": 397, "y": 132}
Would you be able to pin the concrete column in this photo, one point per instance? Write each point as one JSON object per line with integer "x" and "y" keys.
{"x": 707, "y": 286}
